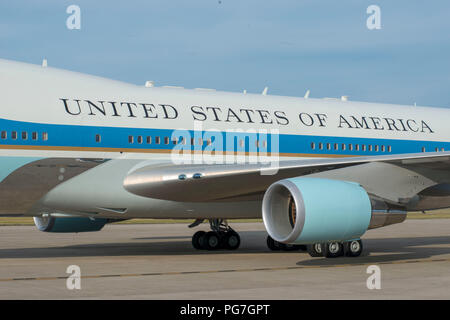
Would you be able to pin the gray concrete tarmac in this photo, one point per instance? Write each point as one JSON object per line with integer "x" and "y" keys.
{"x": 157, "y": 262}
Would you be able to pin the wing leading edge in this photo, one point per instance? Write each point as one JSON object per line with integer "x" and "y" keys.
{"x": 218, "y": 182}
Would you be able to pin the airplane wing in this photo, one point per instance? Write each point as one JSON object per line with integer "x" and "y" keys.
{"x": 396, "y": 178}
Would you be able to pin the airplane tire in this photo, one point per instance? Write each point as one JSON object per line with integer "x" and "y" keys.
{"x": 353, "y": 248}
{"x": 272, "y": 244}
{"x": 333, "y": 249}
{"x": 212, "y": 240}
{"x": 289, "y": 247}
{"x": 232, "y": 240}
{"x": 197, "y": 241}
{"x": 315, "y": 249}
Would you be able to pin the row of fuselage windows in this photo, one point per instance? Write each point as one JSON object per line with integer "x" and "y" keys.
{"x": 184, "y": 141}
{"x": 263, "y": 144}
{"x": 436, "y": 149}
{"x": 358, "y": 147}
{"x": 350, "y": 147}
{"x": 24, "y": 135}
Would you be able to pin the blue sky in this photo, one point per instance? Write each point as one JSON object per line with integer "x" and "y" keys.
{"x": 290, "y": 46}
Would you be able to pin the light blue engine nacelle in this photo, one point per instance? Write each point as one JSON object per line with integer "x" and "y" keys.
{"x": 49, "y": 223}
{"x": 311, "y": 210}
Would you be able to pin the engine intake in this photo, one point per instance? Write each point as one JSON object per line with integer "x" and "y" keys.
{"x": 309, "y": 210}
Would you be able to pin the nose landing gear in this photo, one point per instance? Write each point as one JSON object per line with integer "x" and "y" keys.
{"x": 222, "y": 236}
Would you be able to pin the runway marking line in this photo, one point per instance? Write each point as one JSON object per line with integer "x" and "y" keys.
{"x": 222, "y": 271}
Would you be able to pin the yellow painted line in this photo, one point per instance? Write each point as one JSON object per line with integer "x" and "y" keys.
{"x": 63, "y": 148}
{"x": 130, "y": 275}
{"x": 230, "y": 270}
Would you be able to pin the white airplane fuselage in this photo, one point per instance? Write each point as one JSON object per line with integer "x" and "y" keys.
{"x": 57, "y": 125}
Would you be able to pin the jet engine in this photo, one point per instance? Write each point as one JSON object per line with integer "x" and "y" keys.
{"x": 312, "y": 210}
{"x": 49, "y": 223}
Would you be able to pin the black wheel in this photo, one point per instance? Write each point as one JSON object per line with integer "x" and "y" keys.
{"x": 212, "y": 241}
{"x": 334, "y": 249}
{"x": 288, "y": 247}
{"x": 272, "y": 244}
{"x": 353, "y": 248}
{"x": 315, "y": 250}
{"x": 197, "y": 240}
{"x": 232, "y": 240}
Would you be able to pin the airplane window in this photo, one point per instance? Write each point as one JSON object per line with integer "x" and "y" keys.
{"x": 14, "y": 135}
{"x": 24, "y": 135}
{"x": 313, "y": 145}
{"x": 344, "y": 147}
{"x": 264, "y": 144}
{"x": 370, "y": 148}
{"x": 98, "y": 138}
{"x": 350, "y": 147}
{"x": 389, "y": 149}
{"x": 377, "y": 148}
{"x": 149, "y": 139}
{"x": 166, "y": 140}
{"x": 158, "y": 140}
{"x": 175, "y": 140}
{"x": 44, "y": 136}
{"x": 200, "y": 141}
{"x": 363, "y": 147}
{"x": 328, "y": 146}
{"x": 4, "y": 135}
{"x": 208, "y": 142}
{"x": 140, "y": 139}
{"x": 321, "y": 146}
{"x": 437, "y": 149}
{"x": 442, "y": 149}
{"x": 336, "y": 146}
{"x": 192, "y": 141}
{"x": 423, "y": 149}
{"x": 34, "y": 136}
{"x": 383, "y": 149}
{"x": 241, "y": 143}
{"x": 130, "y": 139}
{"x": 357, "y": 147}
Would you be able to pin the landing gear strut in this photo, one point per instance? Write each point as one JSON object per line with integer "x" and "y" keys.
{"x": 334, "y": 249}
{"x": 221, "y": 236}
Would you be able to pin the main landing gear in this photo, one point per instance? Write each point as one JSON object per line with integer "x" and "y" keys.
{"x": 221, "y": 236}
{"x": 334, "y": 249}
{"x": 278, "y": 246}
